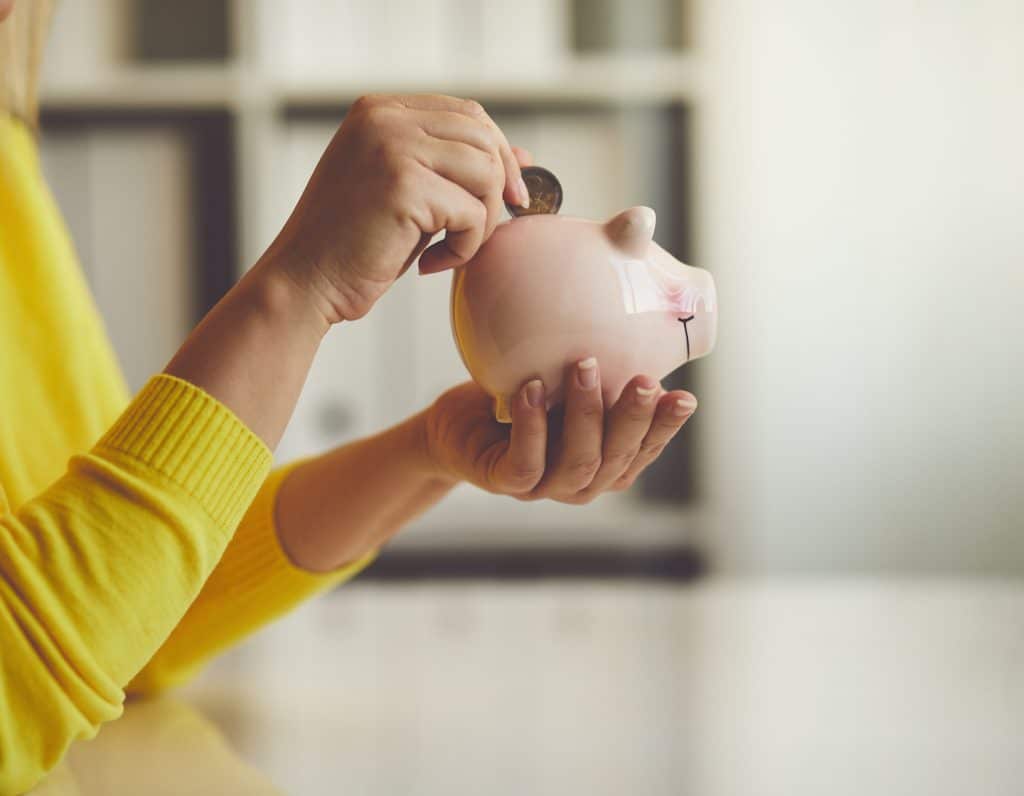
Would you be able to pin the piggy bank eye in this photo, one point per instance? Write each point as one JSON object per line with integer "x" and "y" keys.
{"x": 686, "y": 332}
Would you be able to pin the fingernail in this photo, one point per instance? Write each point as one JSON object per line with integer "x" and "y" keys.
{"x": 524, "y": 193}
{"x": 534, "y": 391}
{"x": 586, "y": 372}
{"x": 684, "y": 407}
{"x": 645, "y": 394}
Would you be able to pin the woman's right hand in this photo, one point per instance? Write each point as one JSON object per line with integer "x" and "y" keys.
{"x": 399, "y": 170}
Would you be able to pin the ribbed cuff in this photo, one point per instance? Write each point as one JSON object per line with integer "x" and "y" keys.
{"x": 175, "y": 428}
{"x": 256, "y": 565}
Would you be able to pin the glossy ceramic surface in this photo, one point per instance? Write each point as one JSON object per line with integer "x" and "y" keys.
{"x": 546, "y": 291}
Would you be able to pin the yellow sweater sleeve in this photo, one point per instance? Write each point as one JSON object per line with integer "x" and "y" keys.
{"x": 254, "y": 583}
{"x": 97, "y": 570}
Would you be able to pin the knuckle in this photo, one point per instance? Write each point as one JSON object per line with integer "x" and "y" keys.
{"x": 479, "y": 213}
{"x": 495, "y": 168}
{"x": 585, "y": 467}
{"x": 623, "y": 483}
{"x": 512, "y": 476}
{"x": 528, "y": 497}
{"x": 652, "y": 449}
{"x": 387, "y": 151}
{"x": 381, "y": 121}
{"x": 400, "y": 175}
{"x": 533, "y": 429}
{"x": 372, "y": 115}
{"x": 669, "y": 426}
{"x": 364, "y": 102}
{"x": 619, "y": 458}
{"x": 523, "y": 478}
{"x": 591, "y": 410}
{"x": 494, "y": 206}
{"x": 473, "y": 108}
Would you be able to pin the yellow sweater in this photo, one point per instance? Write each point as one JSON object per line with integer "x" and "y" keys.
{"x": 120, "y": 564}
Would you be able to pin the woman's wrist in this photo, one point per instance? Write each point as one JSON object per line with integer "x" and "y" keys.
{"x": 286, "y": 294}
{"x": 419, "y": 454}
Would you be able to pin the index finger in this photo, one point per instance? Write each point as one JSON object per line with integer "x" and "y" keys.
{"x": 515, "y": 189}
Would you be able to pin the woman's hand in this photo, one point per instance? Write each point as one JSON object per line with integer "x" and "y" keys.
{"x": 337, "y": 507}
{"x": 399, "y": 170}
{"x": 582, "y": 452}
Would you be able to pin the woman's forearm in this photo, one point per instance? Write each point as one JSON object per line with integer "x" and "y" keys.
{"x": 252, "y": 352}
{"x": 254, "y": 349}
{"x": 335, "y": 508}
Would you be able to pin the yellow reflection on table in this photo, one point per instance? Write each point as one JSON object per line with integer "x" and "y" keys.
{"x": 157, "y": 747}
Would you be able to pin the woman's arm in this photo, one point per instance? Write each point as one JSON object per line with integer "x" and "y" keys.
{"x": 314, "y": 524}
{"x": 253, "y": 350}
{"x": 339, "y": 507}
{"x": 96, "y": 570}
{"x": 399, "y": 170}
{"x": 319, "y": 522}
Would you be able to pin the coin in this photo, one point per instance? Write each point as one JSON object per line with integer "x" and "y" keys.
{"x": 545, "y": 193}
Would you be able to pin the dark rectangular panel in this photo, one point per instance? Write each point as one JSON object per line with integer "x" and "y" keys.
{"x": 182, "y": 30}
{"x": 674, "y": 564}
{"x": 627, "y": 25}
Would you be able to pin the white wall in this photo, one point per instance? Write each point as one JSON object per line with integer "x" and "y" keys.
{"x": 860, "y": 198}
{"x": 125, "y": 197}
{"x": 754, "y": 687}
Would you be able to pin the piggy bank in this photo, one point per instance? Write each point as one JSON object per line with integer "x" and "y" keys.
{"x": 546, "y": 291}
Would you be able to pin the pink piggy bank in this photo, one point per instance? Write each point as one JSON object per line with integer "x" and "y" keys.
{"x": 545, "y": 291}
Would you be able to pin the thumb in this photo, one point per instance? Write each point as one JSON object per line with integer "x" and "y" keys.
{"x": 523, "y": 156}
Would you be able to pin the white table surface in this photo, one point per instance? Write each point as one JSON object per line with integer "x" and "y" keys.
{"x": 799, "y": 686}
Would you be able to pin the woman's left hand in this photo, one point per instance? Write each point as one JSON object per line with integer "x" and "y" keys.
{"x": 574, "y": 456}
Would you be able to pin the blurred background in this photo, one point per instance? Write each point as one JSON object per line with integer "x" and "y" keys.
{"x": 817, "y": 588}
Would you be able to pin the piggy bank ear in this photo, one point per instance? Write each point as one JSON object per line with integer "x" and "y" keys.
{"x": 631, "y": 230}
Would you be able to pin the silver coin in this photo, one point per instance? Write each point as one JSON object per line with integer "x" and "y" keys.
{"x": 545, "y": 193}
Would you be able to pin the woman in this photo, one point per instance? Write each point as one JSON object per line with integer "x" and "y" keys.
{"x": 139, "y": 537}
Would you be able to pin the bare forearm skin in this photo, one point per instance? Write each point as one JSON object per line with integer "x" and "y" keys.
{"x": 338, "y": 507}
{"x": 253, "y": 350}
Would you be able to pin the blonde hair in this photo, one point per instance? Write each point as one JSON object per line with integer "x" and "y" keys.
{"x": 22, "y": 36}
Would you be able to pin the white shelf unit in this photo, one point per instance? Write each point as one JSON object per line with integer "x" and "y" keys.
{"x": 621, "y": 81}
{"x": 285, "y": 89}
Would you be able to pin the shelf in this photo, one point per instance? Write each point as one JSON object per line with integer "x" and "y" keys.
{"x": 164, "y": 87}
{"x": 468, "y": 518}
{"x": 584, "y": 81}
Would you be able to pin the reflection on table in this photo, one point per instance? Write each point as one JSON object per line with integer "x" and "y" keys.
{"x": 157, "y": 747}
{"x": 725, "y": 688}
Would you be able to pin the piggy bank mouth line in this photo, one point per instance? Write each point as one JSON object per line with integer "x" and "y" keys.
{"x": 686, "y": 333}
